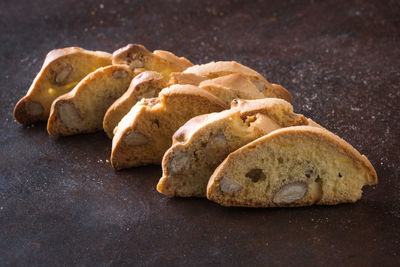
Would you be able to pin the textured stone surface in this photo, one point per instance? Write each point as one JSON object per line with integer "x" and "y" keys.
{"x": 61, "y": 203}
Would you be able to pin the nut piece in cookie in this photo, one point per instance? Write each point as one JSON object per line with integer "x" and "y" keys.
{"x": 145, "y": 85}
{"x": 158, "y": 119}
{"x": 302, "y": 165}
{"x": 61, "y": 71}
{"x": 139, "y": 59}
{"x": 82, "y": 110}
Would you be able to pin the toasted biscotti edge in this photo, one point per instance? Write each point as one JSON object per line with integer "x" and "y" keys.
{"x": 35, "y": 105}
{"x": 220, "y": 68}
{"x": 140, "y": 59}
{"x": 261, "y": 117}
{"x": 72, "y": 113}
{"x": 145, "y": 85}
{"x": 320, "y": 135}
{"x": 134, "y": 125}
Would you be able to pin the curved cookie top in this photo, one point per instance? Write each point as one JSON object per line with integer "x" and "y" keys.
{"x": 186, "y": 78}
{"x": 319, "y": 135}
{"x": 224, "y": 67}
{"x": 61, "y": 52}
{"x": 145, "y": 76}
{"x": 125, "y": 53}
{"x": 190, "y": 90}
{"x": 280, "y": 111}
{"x": 236, "y": 82}
{"x": 193, "y": 125}
{"x": 183, "y": 62}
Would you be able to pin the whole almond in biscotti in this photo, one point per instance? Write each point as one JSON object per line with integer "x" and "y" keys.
{"x": 140, "y": 59}
{"x": 203, "y": 142}
{"x": 221, "y": 68}
{"x": 145, "y": 85}
{"x": 290, "y": 167}
{"x": 145, "y": 133}
{"x": 61, "y": 71}
{"x": 82, "y": 110}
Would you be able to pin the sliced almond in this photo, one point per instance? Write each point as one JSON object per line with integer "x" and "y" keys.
{"x": 290, "y": 193}
{"x": 179, "y": 162}
{"x": 135, "y": 139}
{"x": 33, "y": 108}
{"x": 228, "y": 186}
{"x": 216, "y": 149}
{"x": 62, "y": 75}
{"x": 119, "y": 74}
{"x": 69, "y": 114}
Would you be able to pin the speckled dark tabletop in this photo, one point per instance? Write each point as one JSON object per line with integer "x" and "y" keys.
{"x": 61, "y": 203}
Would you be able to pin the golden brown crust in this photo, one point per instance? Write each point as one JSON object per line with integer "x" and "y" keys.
{"x": 270, "y": 106}
{"x": 154, "y": 121}
{"x": 35, "y": 105}
{"x": 280, "y": 92}
{"x": 183, "y": 62}
{"x": 227, "y": 130}
{"x": 225, "y": 67}
{"x": 315, "y": 133}
{"x": 185, "y": 78}
{"x": 82, "y": 109}
{"x": 138, "y": 57}
{"x": 232, "y": 86}
{"x": 221, "y": 68}
{"x": 145, "y": 85}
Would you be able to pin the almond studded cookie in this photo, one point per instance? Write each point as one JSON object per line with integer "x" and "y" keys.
{"x": 221, "y": 68}
{"x": 145, "y": 133}
{"x": 140, "y": 59}
{"x": 82, "y": 110}
{"x": 145, "y": 85}
{"x": 230, "y": 87}
{"x": 202, "y": 143}
{"x": 61, "y": 71}
{"x": 294, "y": 166}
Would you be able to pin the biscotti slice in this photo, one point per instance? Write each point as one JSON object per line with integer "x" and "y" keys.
{"x": 61, "y": 71}
{"x": 140, "y": 59}
{"x": 221, "y": 68}
{"x": 202, "y": 143}
{"x": 144, "y": 134}
{"x": 185, "y": 78}
{"x": 145, "y": 85}
{"x": 294, "y": 166}
{"x": 232, "y": 86}
{"x": 82, "y": 110}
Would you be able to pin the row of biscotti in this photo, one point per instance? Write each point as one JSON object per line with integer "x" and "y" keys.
{"x": 75, "y": 87}
{"x": 75, "y": 103}
{"x": 260, "y": 153}
{"x": 167, "y": 93}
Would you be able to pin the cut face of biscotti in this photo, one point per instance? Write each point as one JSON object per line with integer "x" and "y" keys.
{"x": 144, "y": 134}
{"x": 145, "y": 85}
{"x": 82, "y": 110}
{"x": 294, "y": 166}
{"x": 232, "y": 86}
{"x": 61, "y": 71}
{"x": 139, "y": 58}
{"x": 221, "y": 68}
{"x": 202, "y": 143}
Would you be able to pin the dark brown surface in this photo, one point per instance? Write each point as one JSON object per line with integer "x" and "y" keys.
{"x": 61, "y": 203}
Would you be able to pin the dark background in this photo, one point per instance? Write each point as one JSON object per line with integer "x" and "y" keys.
{"x": 61, "y": 203}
